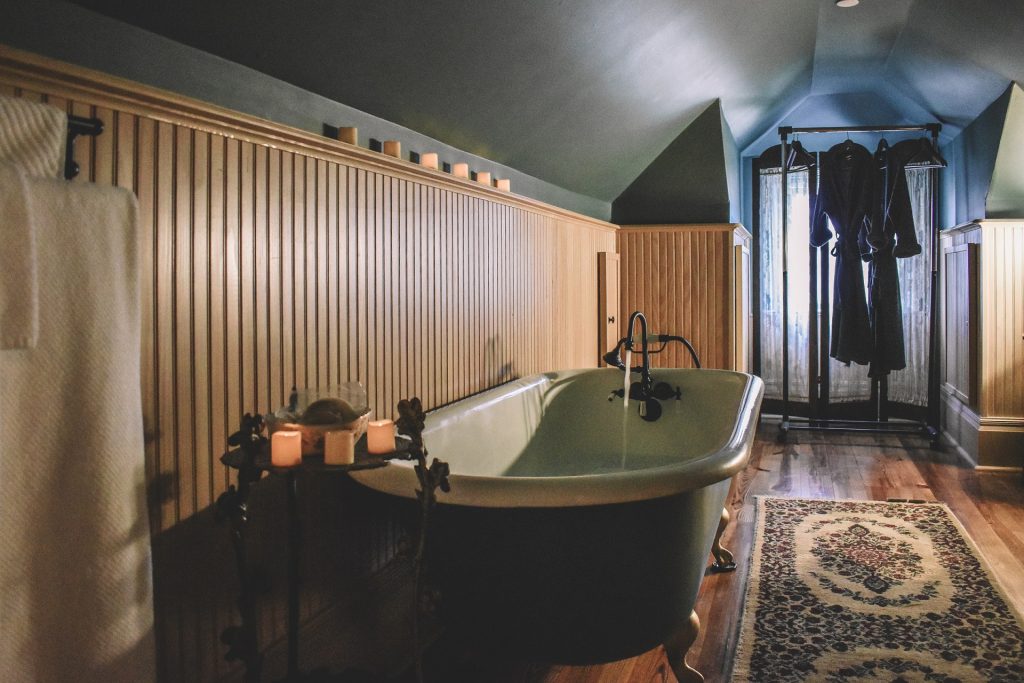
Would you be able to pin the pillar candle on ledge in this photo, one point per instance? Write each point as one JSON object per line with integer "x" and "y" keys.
{"x": 339, "y": 447}
{"x": 429, "y": 160}
{"x": 348, "y": 134}
{"x": 380, "y": 437}
{"x": 285, "y": 449}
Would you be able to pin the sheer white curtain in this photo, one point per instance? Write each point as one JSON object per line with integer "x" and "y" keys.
{"x": 846, "y": 383}
{"x": 771, "y": 282}
{"x": 910, "y": 385}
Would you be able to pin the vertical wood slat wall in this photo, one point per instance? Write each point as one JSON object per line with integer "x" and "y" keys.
{"x": 998, "y": 337}
{"x": 682, "y": 278}
{"x": 982, "y": 337}
{"x": 273, "y": 258}
{"x": 1002, "y": 318}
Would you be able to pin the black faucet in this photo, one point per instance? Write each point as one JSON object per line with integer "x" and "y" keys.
{"x": 642, "y": 391}
{"x": 645, "y": 367}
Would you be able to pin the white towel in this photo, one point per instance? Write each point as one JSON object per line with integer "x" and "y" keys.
{"x": 33, "y": 139}
{"x": 19, "y": 309}
{"x": 76, "y": 598}
{"x": 33, "y": 136}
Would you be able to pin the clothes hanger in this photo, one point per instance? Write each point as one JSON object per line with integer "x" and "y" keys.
{"x": 882, "y": 153}
{"x": 846, "y": 148}
{"x": 799, "y": 158}
{"x": 926, "y": 156}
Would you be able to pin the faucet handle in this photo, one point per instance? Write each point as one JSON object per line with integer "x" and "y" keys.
{"x": 650, "y": 409}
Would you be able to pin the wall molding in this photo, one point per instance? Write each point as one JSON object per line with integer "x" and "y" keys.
{"x": 687, "y": 227}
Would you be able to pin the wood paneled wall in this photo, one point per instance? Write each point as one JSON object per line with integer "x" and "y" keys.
{"x": 272, "y": 258}
{"x": 998, "y": 346}
{"x": 1002, "y": 319}
{"x": 683, "y": 278}
{"x": 982, "y": 335}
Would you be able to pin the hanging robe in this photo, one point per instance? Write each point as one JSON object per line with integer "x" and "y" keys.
{"x": 896, "y": 229}
{"x": 892, "y": 235}
{"x": 846, "y": 197}
{"x": 892, "y": 204}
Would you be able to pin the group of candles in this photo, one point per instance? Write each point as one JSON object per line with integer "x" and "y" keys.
{"x": 339, "y": 444}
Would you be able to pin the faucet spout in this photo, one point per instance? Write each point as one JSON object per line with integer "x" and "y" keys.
{"x": 644, "y": 390}
{"x": 646, "y": 384}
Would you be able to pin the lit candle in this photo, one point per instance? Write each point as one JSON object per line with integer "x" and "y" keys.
{"x": 380, "y": 437}
{"x": 348, "y": 134}
{"x": 338, "y": 447}
{"x": 429, "y": 160}
{"x": 285, "y": 449}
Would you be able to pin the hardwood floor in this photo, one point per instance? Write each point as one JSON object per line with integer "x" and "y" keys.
{"x": 990, "y": 505}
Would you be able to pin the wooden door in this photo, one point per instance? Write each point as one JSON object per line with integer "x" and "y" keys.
{"x": 607, "y": 303}
{"x": 961, "y": 321}
{"x": 742, "y": 313}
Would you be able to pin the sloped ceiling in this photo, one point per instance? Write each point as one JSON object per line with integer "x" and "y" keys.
{"x": 670, "y": 190}
{"x": 587, "y": 93}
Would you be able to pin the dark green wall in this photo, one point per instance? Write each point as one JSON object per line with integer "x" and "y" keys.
{"x": 694, "y": 180}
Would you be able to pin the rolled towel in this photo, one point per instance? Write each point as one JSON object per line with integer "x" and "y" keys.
{"x": 33, "y": 137}
{"x": 19, "y": 294}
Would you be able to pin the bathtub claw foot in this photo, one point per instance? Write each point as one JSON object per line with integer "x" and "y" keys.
{"x": 724, "y": 560}
{"x": 678, "y": 645}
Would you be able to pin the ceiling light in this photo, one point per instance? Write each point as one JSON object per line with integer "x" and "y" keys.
{"x": 847, "y": 3}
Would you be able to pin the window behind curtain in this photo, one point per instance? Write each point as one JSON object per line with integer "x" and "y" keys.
{"x": 771, "y": 235}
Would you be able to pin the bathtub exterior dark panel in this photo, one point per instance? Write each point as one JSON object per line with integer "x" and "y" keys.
{"x": 572, "y": 585}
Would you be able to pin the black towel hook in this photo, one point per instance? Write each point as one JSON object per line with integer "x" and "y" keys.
{"x": 78, "y": 125}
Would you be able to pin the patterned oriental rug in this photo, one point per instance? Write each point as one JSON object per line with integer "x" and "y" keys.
{"x": 865, "y": 591}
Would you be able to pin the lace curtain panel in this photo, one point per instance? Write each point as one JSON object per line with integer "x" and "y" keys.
{"x": 771, "y": 236}
{"x": 909, "y": 385}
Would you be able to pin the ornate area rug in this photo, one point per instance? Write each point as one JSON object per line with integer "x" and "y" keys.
{"x": 867, "y": 591}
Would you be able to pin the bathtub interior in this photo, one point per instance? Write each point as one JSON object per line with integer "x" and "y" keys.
{"x": 563, "y": 424}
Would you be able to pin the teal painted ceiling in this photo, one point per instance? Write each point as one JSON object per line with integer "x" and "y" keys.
{"x": 586, "y": 94}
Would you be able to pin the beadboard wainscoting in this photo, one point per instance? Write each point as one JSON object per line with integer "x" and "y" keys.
{"x": 272, "y": 257}
{"x": 982, "y": 340}
{"x": 691, "y": 280}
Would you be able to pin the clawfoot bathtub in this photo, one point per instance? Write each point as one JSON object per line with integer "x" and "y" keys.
{"x": 574, "y": 531}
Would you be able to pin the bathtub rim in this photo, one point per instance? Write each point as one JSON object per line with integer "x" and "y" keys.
{"x": 399, "y": 479}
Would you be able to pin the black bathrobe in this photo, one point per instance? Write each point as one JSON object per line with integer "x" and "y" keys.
{"x": 846, "y": 197}
{"x": 896, "y": 228}
{"x": 892, "y": 235}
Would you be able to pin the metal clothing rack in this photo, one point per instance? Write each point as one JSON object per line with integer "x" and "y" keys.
{"x": 78, "y": 125}
{"x": 929, "y": 428}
